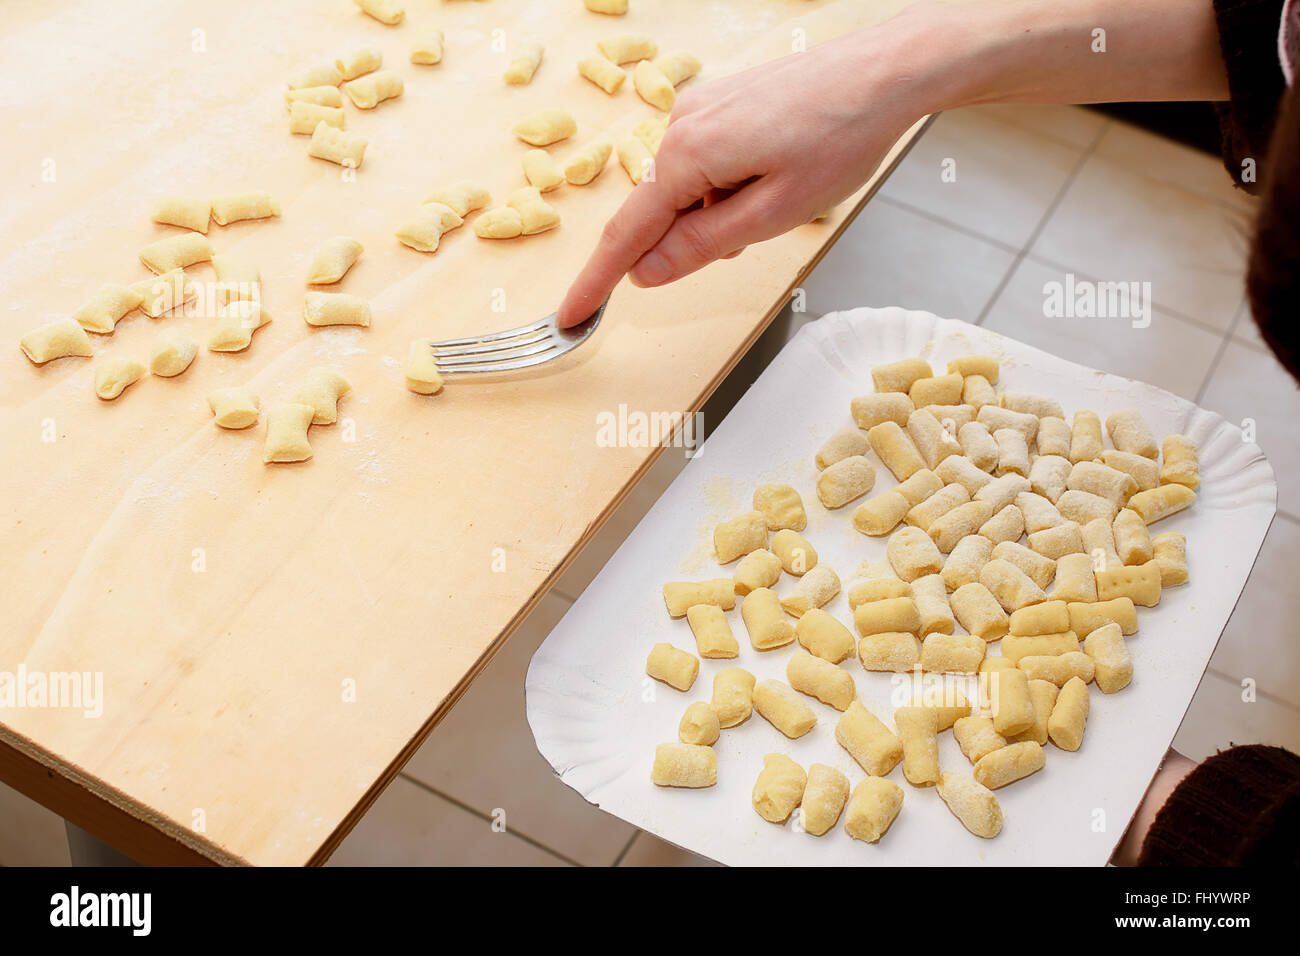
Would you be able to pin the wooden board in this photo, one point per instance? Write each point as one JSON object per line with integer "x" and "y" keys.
{"x": 275, "y": 642}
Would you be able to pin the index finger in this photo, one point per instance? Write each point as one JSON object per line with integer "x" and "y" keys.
{"x": 638, "y": 225}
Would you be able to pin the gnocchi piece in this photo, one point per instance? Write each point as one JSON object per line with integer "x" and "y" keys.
{"x": 535, "y": 214}
{"x": 635, "y": 158}
{"x": 239, "y": 207}
{"x": 977, "y": 738}
{"x": 1128, "y": 432}
{"x": 1139, "y": 583}
{"x": 1161, "y": 502}
{"x": 365, "y": 60}
{"x": 824, "y": 797}
{"x": 504, "y": 222}
{"x": 102, "y": 313}
{"x": 978, "y": 611}
{"x": 1170, "y": 554}
{"x": 1040, "y": 406}
{"x": 335, "y": 146}
{"x": 783, "y": 708}
{"x": 1086, "y": 618}
{"x": 672, "y": 665}
{"x": 978, "y": 445}
{"x": 1113, "y": 668}
{"x": 678, "y": 67}
{"x": 972, "y": 803}
{"x": 523, "y": 65}
{"x": 184, "y": 211}
{"x": 764, "y": 620}
{"x": 846, "y": 480}
{"x": 961, "y": 522}
{"x": 235, "y": 280}
{"x": 713, "y": 637}
{"x": 881, "y": 514}
{"x": 958, "y": 469}
{"x": 873, "y": 746}
{"x": 1007, "y": 525}
{"x": 333, "y": 259}
{"x": 1144, "y": 472}
{"x": 1085, "y": 437}
{"x": 1050, "y": 617}
{"x": 918, "y": 731}
{"x": 936, "y": 390}
{"x": 1058, "y": 668}
{"x": 113, "y": 375}
{"x": 921, "y": 485}
{"x": 613, "y": 8}
{"x": 1069, "y": 715}
{"x": 1042, "y": 694}
{"x": 684, "y": 765}
{"x": 965, "y": 560}
{"x": 733, "y": 696}
{"x": 779, "y": 788}
{"x": 985, "y": 366}
{"x": 977, "y": 391}
{"x": 1003, "y": 491}
{"x": 1102, "y": 481}
{"x": 1012, "y": 588}
{"x": 314, "y": 77}
{"x": 888, "y": 615}
{"x": 1132, "y": 540}
{"x": 900, "y": 376}
{"x": 235, "y": 407}
{"x": 952, "y": 653}
{"x": 739, "y": 536}
{"x": 1013, "y": 452}
{"x": 336, "y": 308}
{"x": 601, "y": 72}
{"x": 176, "y": 252}
{"x": 895, "y": 450}
{"x": 1057, "y": 542}
{"x": 898, "y": 652}
{"x": 173, "y": 351}
{"x": 540, "y": 170}
{"x": 1181, "y": 466}
{"x": 461, "y": 197}
{"x": 653, "y": 87}
{"x": 868, "y": 411}
{"x": 758, "y": 569}
{"x": 798, "y": 557}
{"x": 1013, "y": 707}
{"x": 651, "y": 132}
{"x": 912, "y": 554}
{"x": 1054, "y": 436}
{"x": 428, "y": 51}
{"x": 586, "y": 164}
{"x": 545, "y": 127}
{"x": 815, "y": 589}
{"x": 628, "y": 48}
{"x": 877, "y": 589}
{"x": 1009, "y": 764}
{"x": 1099, "y": 542}
{"x": 1038, "y": 568}
{"x": 845, "y": 443}
{"x": 236, "y": 323}
{"x": 781, "y": 506}
{"x": 1049, "y": 475}
{"x": 820, "y": 679}
{"x": 304, "y": 117}
{"x": 425, "y": 230}
{"x": 699, "y": 725}
{"x": 160, "y": 294}
{"x": 824, "y": 636}
{"x": 931, "y": 597}
{"x": 1016, "y": 646}
{"x": 947, "y": 702}
{"x": 680, "y": 596}
{"x": 286, "y": 433}
{"x": 952, "y": 417}
{"x": 422, "y": 375}
{"x": 388, "y": 12}
{"x": 929, "y": 437}
{"x": 322, "y": 390}
{"x": 327, "y": 95}
{"x": 872, "y": 809}
{"x": 995, "y": 418}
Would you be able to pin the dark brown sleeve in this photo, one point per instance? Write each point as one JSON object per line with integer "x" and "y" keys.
{"x": 1240, "y": 807}
{"x": 1248, "y": 38}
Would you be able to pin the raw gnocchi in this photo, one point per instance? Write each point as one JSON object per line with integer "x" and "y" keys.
{"x": 369, "y": 91}
{"x": 333, "y": 258}
{"x": 424, "y": 231}
{"x": 234, "y": 408}
{"x": 112, "y": 376}
{"x": 322, "y": 390}
{"x": 422, "y": 375}
{"x": 388, "y": 12}
{"x": 241, "y": 206}
{"x": 545, "y": 127}
{"x": 335, "y": 146}
{"x": 173, "y": 351}
{"x": 186, "y": 212}
{"x": 335, "y": 308}
{"x": 523, "y": 65}
{"x": 58, "y": 339}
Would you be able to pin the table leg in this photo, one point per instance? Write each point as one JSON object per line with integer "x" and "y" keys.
{"x": 87, "y": 850}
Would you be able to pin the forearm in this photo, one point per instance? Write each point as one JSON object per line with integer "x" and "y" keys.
{"x": 1047, "y": 51}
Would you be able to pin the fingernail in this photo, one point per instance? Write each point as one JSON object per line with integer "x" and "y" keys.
{"x": 650, "y": 270}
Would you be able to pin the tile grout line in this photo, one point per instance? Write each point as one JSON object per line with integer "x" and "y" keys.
{"x": 1042, "y": 223}
{"x": 1259, "y": 692}
{"x": 1218, "y": 353}
{"x": 626, "y": 848}
{"x": 943, "y": 221}
{"x": 519, "y": 834}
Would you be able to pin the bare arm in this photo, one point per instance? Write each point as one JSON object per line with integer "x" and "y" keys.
{"x": 753, "y": 155}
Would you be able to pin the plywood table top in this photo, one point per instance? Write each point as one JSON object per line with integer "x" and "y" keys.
{"x": 275, "y": 642}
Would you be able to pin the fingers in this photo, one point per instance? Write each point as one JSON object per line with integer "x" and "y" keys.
{"x": 718, "y": 231}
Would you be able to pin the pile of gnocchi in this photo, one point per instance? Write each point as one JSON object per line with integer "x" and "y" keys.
{"x": 1019, "y": 548}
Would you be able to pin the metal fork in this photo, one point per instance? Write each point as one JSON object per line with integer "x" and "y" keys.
{"x": 528, "y": 345}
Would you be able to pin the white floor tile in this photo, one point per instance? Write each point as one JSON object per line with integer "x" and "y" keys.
{"x": 1115, "y": 224}
{"x": 1171, "y": 353}
{"x": 483, "y": 755}
{"x": 1152, "y": 155}
{"x": 409, "y": 826}
{"x": 1069, "y": 125}
{"x": 1248, "y": 383}
{"x": 1218, "y": 718}
{"x": 892, "y": 256}
{"x": 1005, "y": 178}
{"x": 1260, "y": 639}
{"x": 649, "y": 850}
{"x": 30, "y": 835}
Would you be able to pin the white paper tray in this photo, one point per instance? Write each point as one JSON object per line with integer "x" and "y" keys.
{"x": 597, "y": 717}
